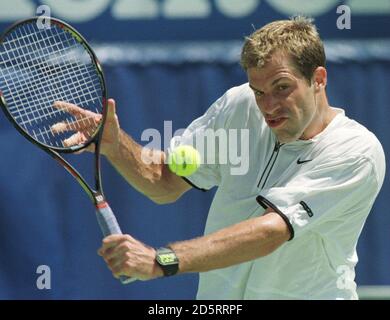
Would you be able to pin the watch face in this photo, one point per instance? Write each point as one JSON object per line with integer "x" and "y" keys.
{"x": 168, "y": 261}
{"x": 167, "y": 258}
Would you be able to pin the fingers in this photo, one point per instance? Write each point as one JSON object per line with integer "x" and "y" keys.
{"x": 112, "y": 241}
{"x": 68, "y": 107}
{"x": 127, "y": 256}
{"x": 72, "y": 109}
{"x": 111, "y": 109}
{"x": 119, "y": 268}
{"x": 114, "y": 252}
{"x": 77, "y": 138}
{"x": 84, "y": 118}
{"x": 85, "y": 124}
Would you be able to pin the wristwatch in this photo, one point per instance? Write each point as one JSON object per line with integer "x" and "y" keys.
{"x": 168, "y": 261}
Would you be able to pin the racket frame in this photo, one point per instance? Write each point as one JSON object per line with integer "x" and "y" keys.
{"x": 105, "y": 216}
{"x": 96, "y": 195}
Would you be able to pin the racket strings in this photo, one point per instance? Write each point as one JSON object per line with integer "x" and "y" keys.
{"x": 25, "y": 64}
{"x": 30, "y": 120}
{"x": 40, "y": 67}
{"x": 29, "y": 111}
{"x": 44, "y": 66}
{"x": 43, "y": 116}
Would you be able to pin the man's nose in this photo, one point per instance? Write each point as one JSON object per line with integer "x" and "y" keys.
{"x": 269, "y": 104}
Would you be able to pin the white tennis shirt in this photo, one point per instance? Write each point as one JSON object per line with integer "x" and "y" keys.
{"x": 324, "y": 188}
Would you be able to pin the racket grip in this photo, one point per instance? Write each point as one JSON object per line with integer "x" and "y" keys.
{"x": 109, "y": 225}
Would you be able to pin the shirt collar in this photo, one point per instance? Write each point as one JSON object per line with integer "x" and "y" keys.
{"x": 298, "y": 143}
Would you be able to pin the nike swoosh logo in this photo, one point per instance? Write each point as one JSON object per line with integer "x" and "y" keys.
{"x": 299, "y": 161}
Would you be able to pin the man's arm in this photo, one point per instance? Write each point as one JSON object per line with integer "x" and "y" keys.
{"x": 244, "y": 241}
{"x": 145, "y": 171}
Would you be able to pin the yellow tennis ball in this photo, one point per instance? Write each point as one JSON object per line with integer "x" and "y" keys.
{"x": 184, "y": 160}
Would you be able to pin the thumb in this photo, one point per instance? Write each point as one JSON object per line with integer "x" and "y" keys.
{"x": 111, "y": 109}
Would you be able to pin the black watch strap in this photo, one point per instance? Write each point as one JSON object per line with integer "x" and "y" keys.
{"x": 168, "y": 261}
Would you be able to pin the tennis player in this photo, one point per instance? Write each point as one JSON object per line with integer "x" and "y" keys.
{"x": 288, "y": 228}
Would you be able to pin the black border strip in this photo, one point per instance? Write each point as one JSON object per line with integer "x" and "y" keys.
{"x": 267, "y": 204}
{"x": 192, "y": 185}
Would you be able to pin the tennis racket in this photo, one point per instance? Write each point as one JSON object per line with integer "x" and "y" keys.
{"x": 41, "y": 67}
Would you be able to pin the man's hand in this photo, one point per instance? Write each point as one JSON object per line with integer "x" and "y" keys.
{"x": 110, "y": 138}
{"x": 127, "y": 256}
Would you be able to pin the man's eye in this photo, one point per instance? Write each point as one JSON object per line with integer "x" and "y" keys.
{"x": 282, "y": 87}
{"x": 258, "y": 94}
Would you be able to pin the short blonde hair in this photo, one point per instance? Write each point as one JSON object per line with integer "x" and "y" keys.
{"x": 298, "y": 37}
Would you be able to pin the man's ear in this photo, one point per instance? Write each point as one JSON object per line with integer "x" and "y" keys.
{"x": 319, "y": 78}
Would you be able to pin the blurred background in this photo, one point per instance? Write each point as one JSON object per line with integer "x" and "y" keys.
{"x": 168, "y": 60}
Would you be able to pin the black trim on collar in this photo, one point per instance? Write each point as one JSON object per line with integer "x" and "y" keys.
{"x": 267, "y": 204}
{"x": 192, "y": 185}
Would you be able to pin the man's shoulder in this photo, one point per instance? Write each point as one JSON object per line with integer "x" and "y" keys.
{"x": 350, "y": 134}
{"x": 351, "y": 139}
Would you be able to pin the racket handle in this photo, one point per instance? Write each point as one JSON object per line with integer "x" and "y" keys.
{"x": 109, "y": 225}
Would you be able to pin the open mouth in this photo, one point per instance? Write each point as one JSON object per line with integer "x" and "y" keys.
{"x": 275, "y": 122}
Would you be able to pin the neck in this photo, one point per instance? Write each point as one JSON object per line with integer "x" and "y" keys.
{"x": 323, "y": 116}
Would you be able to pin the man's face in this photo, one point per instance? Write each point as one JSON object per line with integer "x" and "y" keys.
{"x": 284, "y": 97}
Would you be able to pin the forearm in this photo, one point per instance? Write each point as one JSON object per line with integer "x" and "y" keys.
{"x": 239, "y": 243}
{"x": 143, "y": 169}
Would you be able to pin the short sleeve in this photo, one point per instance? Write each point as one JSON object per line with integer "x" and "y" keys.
{"x": 201, "y": 135}
{"x": 333, "y": 195}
